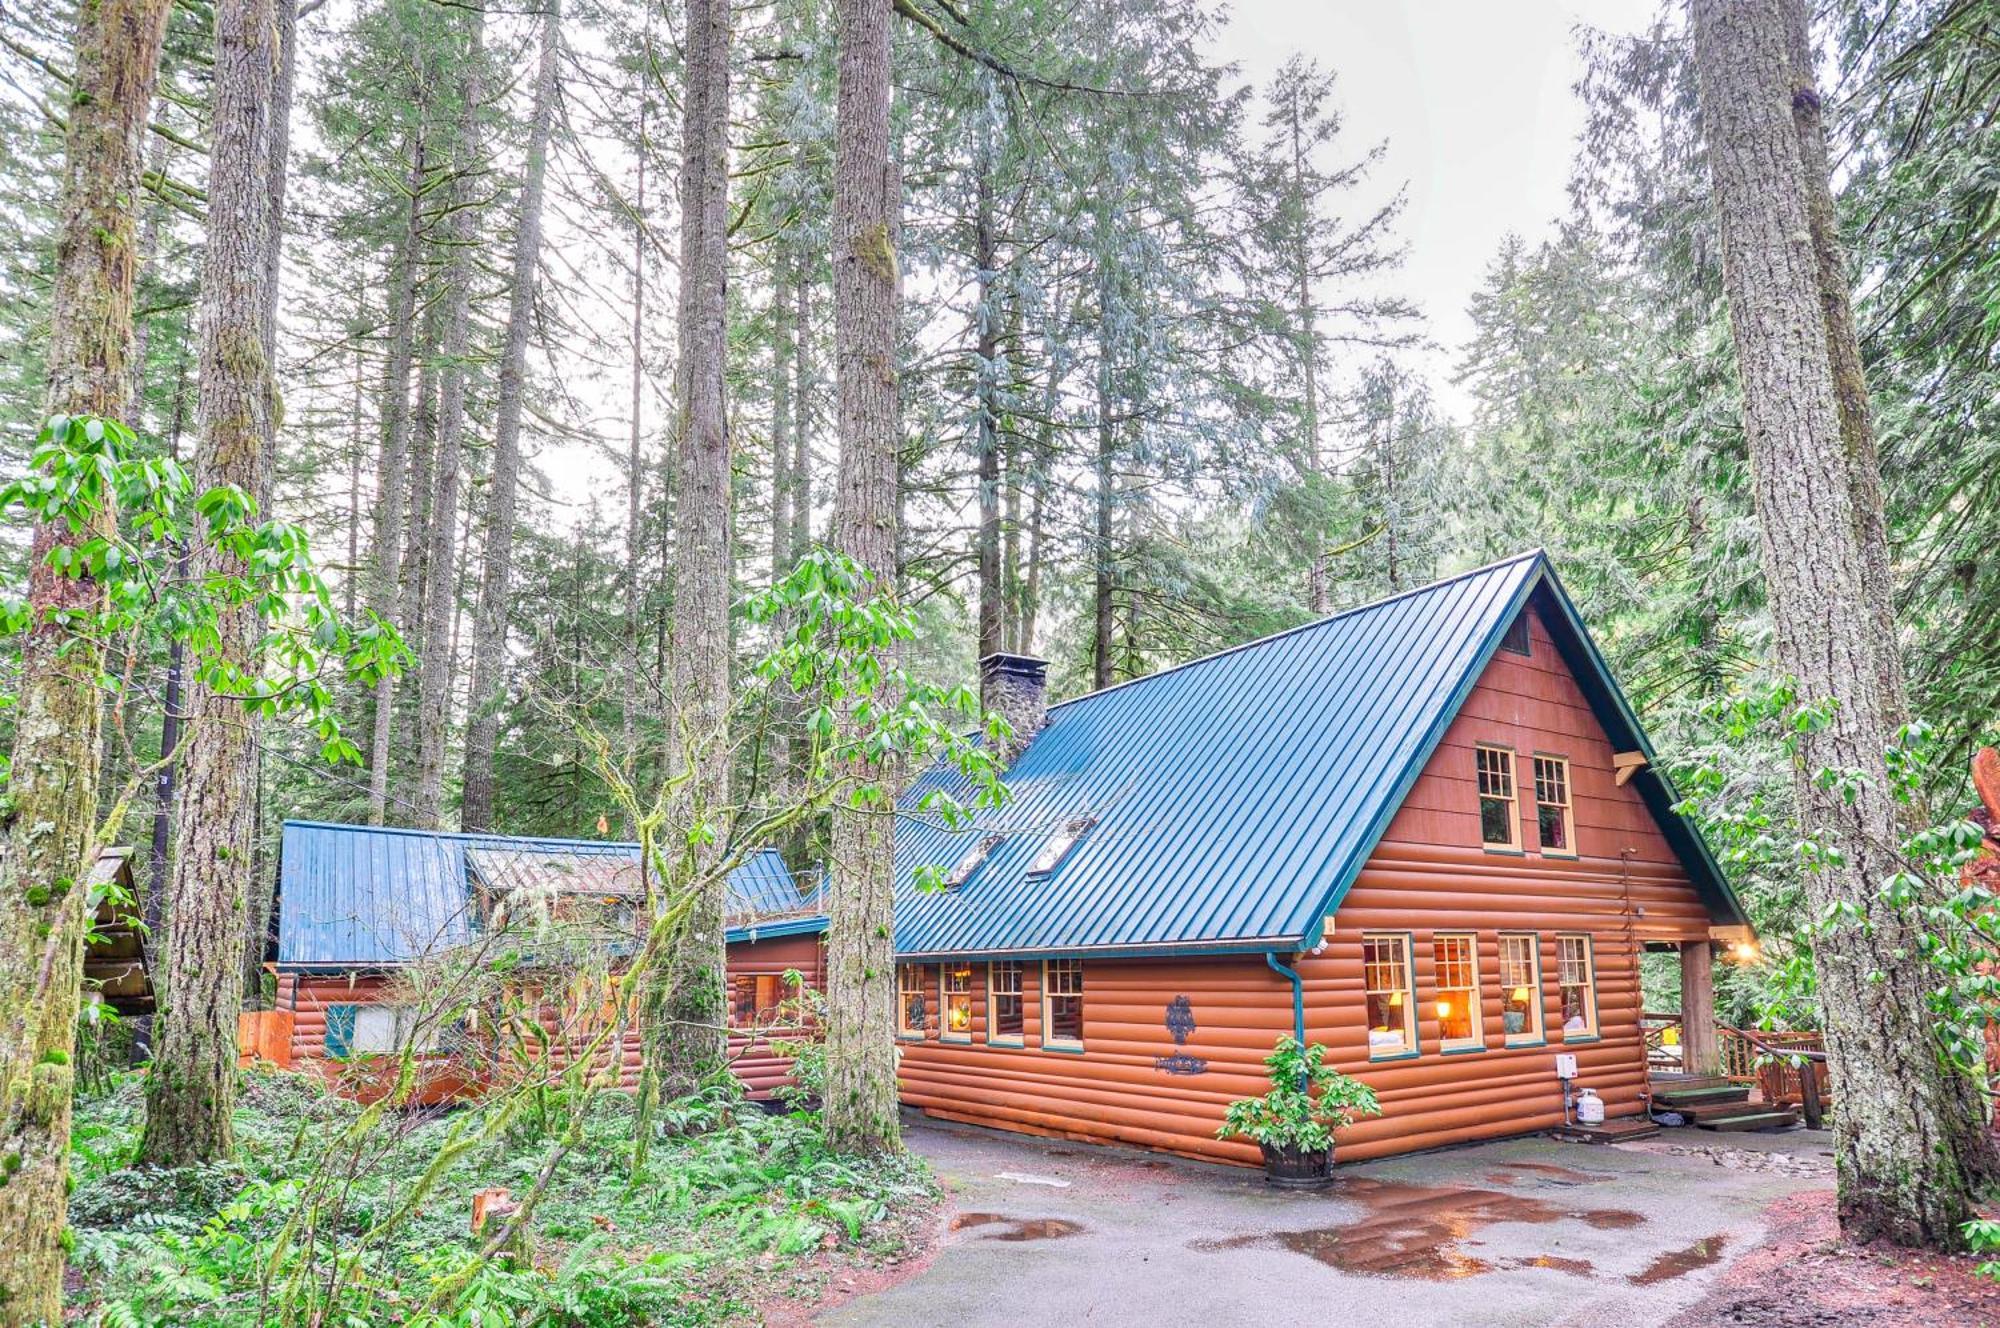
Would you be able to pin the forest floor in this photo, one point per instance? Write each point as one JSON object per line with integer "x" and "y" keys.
{"x": 1692, "y": 1228}
{"x": 738, "y": 1214}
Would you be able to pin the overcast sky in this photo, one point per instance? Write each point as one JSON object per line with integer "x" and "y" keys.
{"x": 1475, "y": 99}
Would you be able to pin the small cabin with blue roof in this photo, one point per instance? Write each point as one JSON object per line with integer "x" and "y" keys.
{"x": 357, "y": 905}
{"x": 1428, "y": 832}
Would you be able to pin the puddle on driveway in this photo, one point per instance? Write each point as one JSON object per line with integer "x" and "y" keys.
{"x": 1679, "y": 1263}
{"x": 1418, "y": 1231}
{"x": 1017, "y": 1228}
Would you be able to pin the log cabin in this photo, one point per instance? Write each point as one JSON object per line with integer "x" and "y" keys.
{"x": 1428, "y": 832}
{"x": 358, "y": 907}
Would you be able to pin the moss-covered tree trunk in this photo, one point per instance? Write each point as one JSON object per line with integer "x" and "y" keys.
{"x": 489, "y": 644}
{"x": 191, "y": 1091}
{"x": 685, "y": 1043}
{"x": 52, "y": 790}
{"x": 1899, "y": 1133}
{"x": 860, "y": 1105}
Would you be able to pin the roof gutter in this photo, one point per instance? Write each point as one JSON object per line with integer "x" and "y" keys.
{"x": 1298, "y": 996}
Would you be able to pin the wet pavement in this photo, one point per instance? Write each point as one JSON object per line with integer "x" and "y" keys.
{"x": 1526, "y": 1231}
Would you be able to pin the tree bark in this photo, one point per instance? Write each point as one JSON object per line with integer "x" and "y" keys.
{"x": 860, "y": 1106}
{"x": 191, "y": 1091}
{"x": 53, "y": 784}
{"x": 632, "y": 699}
{"x": 489, "y": 642}
{"x": 392, "y": 473}
{"x": 1864, "y": 474}
{"x": 986, "y": 390}
{"x": 1306, "y": 311}
{"x": 1900, "y": 1172}
{"x": 800, "y": 473}
{"x": 1103, "y": 579}
{"x": 440, "y": 589}
{"x": 687, "y": 1043}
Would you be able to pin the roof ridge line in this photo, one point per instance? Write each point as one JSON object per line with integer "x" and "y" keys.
{"x": 1537, "y": 552}
{"x": 488, "y": 837}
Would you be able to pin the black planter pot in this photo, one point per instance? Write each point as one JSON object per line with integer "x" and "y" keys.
{"x": 1296, "y": 1169}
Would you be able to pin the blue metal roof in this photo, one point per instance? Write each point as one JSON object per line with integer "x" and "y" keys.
{"x": 1236, "y": 798}
{"x": 359, "y": 896}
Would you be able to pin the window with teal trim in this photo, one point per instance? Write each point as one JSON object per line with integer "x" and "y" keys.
{"x": 340, "y": 1031}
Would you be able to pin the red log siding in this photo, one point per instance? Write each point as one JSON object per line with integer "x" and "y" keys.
{"x": 755, "y": 1061}
{"x": 1428, "y": 874}
{"x": 306, "y": 998}
{"x": 444, "y": 1078}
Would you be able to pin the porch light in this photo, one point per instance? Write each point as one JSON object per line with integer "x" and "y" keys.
{"x": 1744, "y": 952}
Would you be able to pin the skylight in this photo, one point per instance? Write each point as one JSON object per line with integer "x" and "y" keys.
{"x": 974, "y": 856}
{"x": 1059, "y": 845}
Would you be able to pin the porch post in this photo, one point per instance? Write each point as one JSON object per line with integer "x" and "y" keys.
{"x": 1699, "y": 1053}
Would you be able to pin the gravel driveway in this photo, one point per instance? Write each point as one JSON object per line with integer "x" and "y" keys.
{"x": 1526, "y": 1231}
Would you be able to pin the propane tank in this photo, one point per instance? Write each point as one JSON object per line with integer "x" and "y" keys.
{"x": 1589, "y": 1108}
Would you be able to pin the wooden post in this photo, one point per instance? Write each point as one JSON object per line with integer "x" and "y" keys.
{"x": 1699, "y": 1052}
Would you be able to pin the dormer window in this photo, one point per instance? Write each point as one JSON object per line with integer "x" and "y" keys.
{"x": 1059, "y": 845}
{"x": 981, "y": 849}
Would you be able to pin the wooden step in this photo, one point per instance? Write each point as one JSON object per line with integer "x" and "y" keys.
{"x": 1759, "y": 1120}
{"x": 1707, "y": 1111}
{"x": 1609, "y": 1132}
{"x": 1696, "y": 1097}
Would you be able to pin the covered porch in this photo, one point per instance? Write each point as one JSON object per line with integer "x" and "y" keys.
{"x": 1722, "y": 1077}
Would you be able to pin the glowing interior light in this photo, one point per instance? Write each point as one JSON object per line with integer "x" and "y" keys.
{"x": 1395, "y": 999}
{"x": 1444, "y": 1009}
{"x": 1522, "y": 995}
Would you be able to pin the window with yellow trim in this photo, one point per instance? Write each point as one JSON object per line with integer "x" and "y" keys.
{"x": 1577, "y": 977}
{"x": 1392, "y": 1002}
{"x": 1499, "y": 809}
{"x": 1521, "y": 988}
{"x": 957, "y": 1003}
{"x": 1455, "y": 961}
{"x": 1553, "y": 820}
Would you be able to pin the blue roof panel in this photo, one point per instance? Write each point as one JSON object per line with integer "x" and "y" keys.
{"x": 1235, "y": 797}
{"x": 367, "y": 896}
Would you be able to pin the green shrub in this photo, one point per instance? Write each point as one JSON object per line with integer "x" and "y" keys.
{"x": 1308, "y": 1101}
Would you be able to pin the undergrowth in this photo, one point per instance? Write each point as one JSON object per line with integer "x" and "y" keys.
{"x": 732, "y": 1208}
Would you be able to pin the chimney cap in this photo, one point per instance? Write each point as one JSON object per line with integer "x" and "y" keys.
{"x": 1005, "y": 662}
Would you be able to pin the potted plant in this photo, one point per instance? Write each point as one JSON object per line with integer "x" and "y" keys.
{"x": 1294, "y": 1123}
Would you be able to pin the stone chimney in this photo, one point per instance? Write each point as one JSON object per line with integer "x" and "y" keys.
{"x": 1018, "y": 687}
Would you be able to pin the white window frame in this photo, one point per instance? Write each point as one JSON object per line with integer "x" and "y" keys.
{"x": 1050, "y": 969}
{"x": 382, "y": 1030}
{"x": 1559, "y": 778}
{"x": 1475, "y": 1038}
{"x": 950, "y": 994}
{"x": 1532, "y": 1035}
{"x": 993, "y": 998}
{"x": 1512, "y": 797}
{"x": 1402, "y": 961}
{"x": 1576, "y": 956}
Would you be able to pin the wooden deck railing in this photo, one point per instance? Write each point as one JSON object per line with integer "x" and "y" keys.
{"x": 1786, "y": 1066}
